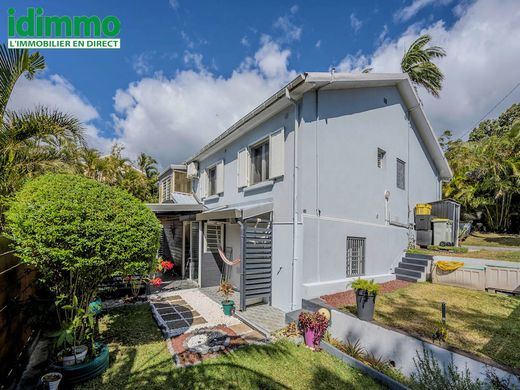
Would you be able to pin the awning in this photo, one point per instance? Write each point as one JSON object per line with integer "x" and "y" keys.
{"x": 236, "y": 212}
{"x": 172, "y": 208}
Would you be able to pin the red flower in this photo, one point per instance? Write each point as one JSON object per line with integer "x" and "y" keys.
{"x": 155, "y": 281}
{"x": 166, "y": 265}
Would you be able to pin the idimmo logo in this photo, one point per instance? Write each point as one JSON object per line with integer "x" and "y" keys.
{"x": 37, "y": 30}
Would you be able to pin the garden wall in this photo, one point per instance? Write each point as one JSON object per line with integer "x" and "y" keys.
{"x": 17, "y": 286}
{"x": 401, "y": 348}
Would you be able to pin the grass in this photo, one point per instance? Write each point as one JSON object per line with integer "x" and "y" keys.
{"x": 139, "y": 358}
{"x": 481, "y": 323}
{"x": 492, "y": 239}
{"x": 513, "y": 256}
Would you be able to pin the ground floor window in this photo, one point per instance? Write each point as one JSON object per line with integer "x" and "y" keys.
{"x": 355, "y": 256}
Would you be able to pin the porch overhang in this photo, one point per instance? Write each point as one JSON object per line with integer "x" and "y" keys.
{"x": 236, "y": 212}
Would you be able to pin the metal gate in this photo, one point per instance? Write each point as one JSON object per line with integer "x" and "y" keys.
{"x": 255, "y": 280}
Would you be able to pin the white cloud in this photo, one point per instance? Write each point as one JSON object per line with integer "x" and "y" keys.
{"x": 317, "y": 45}
{"x": 481, "y": 66}
{"x": 244, "y": 41}
{"x": 174, "y": 4}
{"x": 141, "y": 64}
{"x": 382, "y": 36}
{"x": 406, "y": 13}
{"x": 290, "y": 32}
{"x": 294, "y": 9}
{"x": 56, "y": 92}
{"x": 171, "y": 118}
{"x": 355, "y": 23}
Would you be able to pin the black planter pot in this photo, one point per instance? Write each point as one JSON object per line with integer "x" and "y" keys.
{"x": 366, "y": 303}
{"x": 83, "y": 372}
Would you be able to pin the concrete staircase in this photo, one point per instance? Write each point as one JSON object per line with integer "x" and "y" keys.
{"x": 413, "y": 267}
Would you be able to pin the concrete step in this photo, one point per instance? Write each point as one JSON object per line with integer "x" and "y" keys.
{"x": 407, "y": 272}
{"x": 293, "y": 316}
{"x": 412, "y": 266}
{"x": 406, "y": 278}
{"x": 418, "y": 256}
{"x": 412, "y": 260}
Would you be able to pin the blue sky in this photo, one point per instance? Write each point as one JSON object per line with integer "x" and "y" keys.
{"x": 178, "y": 56}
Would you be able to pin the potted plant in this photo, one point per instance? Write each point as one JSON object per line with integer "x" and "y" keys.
{"x": 366, "y": 292}
{"x": 228, "y": 305}
{"x": 51, "y": 380}
{"x": 313, "y": 326}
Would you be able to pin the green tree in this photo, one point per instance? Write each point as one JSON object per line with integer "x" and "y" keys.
{"x": 77, "y": 232}
{"x": 417, "y": 63}
{"x": 31, "y": 142}
{"x": 148, "y": 165}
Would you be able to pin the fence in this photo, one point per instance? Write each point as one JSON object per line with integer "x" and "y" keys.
{"x": 17, "y": 286}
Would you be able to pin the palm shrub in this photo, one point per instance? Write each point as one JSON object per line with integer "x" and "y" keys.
{"x": 77, "y": 232}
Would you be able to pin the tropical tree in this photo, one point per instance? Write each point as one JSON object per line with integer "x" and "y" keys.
{"x": 33, "y": 141}
{"x": 148, "y": 165}
{"x": 417, "y": 63}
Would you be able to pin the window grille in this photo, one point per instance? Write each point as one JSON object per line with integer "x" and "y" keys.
{"x": 355, "y": 256}
{"x": 401, "y": 174}
{"x": 380, "y": 157}
{"x": 214, "y": 237}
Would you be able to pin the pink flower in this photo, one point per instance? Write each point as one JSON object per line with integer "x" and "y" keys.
{"x": 166, "y": 265}
{"x": 155, "y": 281}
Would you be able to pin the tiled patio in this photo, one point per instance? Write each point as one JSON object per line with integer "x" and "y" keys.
{"x": 261, "y": 316}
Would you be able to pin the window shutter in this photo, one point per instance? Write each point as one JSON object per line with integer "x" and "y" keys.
{"x": 203, "y": 184}
{"x": 243, "y": 162}
{"x": 220, "y": 177}
{"x": 276, "y": 154}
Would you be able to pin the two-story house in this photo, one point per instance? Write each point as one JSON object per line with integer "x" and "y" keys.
{"x": 315, "y": 187}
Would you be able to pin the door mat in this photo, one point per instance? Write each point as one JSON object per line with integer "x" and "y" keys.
{"x": 204, "y": 343}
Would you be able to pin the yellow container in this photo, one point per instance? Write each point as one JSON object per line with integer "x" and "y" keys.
{"x": 423, "y": 209}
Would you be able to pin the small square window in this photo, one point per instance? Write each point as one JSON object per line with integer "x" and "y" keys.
{"x": 401, "y": 174}
{"x": 356, "y": 249}
{"x": 260, "y": 162}
{"x": 380, "y": 157}
{"x": 212, "y": 181}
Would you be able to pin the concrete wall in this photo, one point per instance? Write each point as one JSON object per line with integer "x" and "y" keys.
{"x": 400, "y": 348}
{"x": 342, "y": 188}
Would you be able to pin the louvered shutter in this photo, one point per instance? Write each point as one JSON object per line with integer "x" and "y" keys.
{"x": 276, "y": 154}
{"x": 203, "y": 184}
{"x": 243, "y": 162}
{"x": 220, "y": 177}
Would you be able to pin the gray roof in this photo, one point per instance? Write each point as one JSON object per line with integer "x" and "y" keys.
{"x": 324, "y": 81}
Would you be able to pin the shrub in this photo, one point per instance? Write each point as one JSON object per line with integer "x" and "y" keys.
{"x": 368, "y": 285}
{"x": 78, "y": 232}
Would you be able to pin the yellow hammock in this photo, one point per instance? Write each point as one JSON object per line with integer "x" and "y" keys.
{"x": 449, "y": 265}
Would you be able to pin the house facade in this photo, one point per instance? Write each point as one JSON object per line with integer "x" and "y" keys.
{"x": 315, "y": 187}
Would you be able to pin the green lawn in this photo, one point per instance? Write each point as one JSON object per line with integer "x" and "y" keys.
{"x": 481, "y": 254}
{"x": 492, "y": 239}
{"x": 139, "y": 359}
{"x": 478, "y": 322}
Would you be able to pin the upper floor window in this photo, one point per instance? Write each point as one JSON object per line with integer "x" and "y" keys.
{"x": 212, "y": 181}
{"x": 401, "y": 174}
{"x": 260, "y": 162}
{"x": 166, "y": 188}
{"x": 380, "y": 157}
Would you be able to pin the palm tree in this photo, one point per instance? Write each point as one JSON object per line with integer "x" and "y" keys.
{"x": 417, "y": 63}
{"x": 147, "y": 164}
{"x": 33, "y": 141}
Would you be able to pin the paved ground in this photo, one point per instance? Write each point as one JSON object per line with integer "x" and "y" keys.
{"x": 262, "y": 316}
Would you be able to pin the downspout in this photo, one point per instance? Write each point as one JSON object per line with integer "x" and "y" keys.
{"x": 295, "y": 201}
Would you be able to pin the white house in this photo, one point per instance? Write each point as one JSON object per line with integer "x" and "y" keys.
{"x": 313, "y": 188}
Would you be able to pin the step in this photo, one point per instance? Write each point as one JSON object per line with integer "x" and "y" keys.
{"x": 407, "y": 272}
{"x": 418, "y": 256}
{"x": 293, "y": 316}
{"x": 411, "y": 260}
{"x": 412, "y": 267}
{"x": 406, "y": 278}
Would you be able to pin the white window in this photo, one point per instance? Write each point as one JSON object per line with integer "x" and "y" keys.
{"x": 401, "y": 174}
{"x": 260, "y": 162}
{"x": 380, "y": 157}
{"x": 212, "y": 181}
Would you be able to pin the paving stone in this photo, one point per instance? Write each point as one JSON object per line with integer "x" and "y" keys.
{"x": 241, "y": 329}
{"x": 171, "y": 317}
{"x": 198, "y": 321}
{"x": 177, "y": 324}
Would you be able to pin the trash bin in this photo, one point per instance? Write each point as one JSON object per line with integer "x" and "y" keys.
{"x": 423, "y": 209}
{"x": 442, "y": 231}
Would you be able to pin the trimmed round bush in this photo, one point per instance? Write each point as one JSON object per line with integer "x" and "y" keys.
{"x": 78, "y": 232}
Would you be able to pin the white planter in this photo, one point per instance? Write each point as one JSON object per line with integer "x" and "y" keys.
{"x": 52, "y": 380}
{"x": 80, "y": 352}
